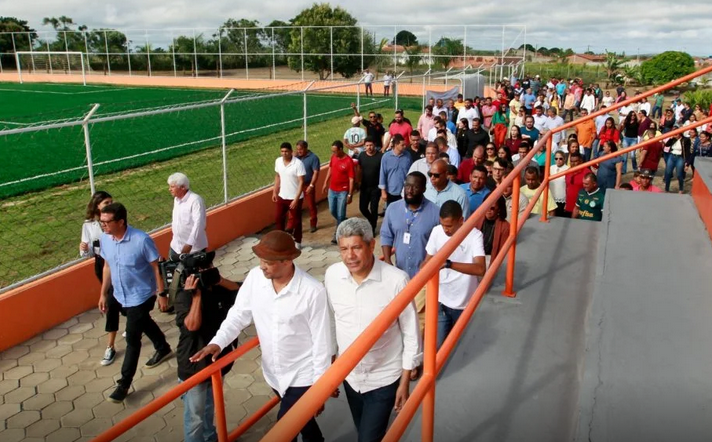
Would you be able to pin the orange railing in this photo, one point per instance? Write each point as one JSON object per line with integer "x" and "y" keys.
{"x": 433, "y": 360}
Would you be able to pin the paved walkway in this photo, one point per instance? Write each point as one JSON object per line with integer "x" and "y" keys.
{"x": 53, "y": 389}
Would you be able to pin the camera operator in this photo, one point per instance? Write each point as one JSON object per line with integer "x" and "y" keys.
{"x": 201, "y": 306}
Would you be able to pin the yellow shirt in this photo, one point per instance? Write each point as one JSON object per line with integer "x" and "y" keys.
{"x": 529, "y": 193}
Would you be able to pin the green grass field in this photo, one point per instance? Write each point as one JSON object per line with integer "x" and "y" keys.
{"x": 41, "y": 223}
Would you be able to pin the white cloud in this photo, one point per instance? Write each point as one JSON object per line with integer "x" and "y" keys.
{"x": 651, "y": 26}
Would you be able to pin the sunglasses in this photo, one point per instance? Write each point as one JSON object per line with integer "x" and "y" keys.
{"x": 559, "y": 158}
{"x": 434, "y": 175}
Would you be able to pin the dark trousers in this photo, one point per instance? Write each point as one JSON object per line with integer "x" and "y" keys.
{"x": 368, "y": 204}
{"x": 560, "y": 212}
{"x": 371, "y": 411}
{"x": 311, "y": 431}
{"x": 289, "y": 220}
{"x": 392, "y": 198}
{"x": 113, "y": 308}
{"x": 369, "y": 88}
{"x": 138, "y": 322}
{"x": 310, "y": 198}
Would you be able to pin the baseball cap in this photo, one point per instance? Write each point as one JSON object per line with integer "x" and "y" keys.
{"x": 646, "y": 173}
{"x": 355, "y": 120}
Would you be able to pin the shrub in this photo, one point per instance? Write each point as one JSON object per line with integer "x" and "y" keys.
{"x": 666, "y": 67}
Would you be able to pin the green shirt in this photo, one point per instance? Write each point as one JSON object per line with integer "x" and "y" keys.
{"x": 590, "y": 205}
{"x": 659, "y": 100}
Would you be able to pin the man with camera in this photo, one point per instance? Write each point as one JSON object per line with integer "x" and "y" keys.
{"x": 201, "y": 306}
{"x": 188, "y": 223}
{"x": 290, "y": 312}
{"x": 131, "y": 267}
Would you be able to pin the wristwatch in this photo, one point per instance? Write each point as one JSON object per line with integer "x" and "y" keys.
{"x": 448, "y": 264}
{"x": 163, "y": 293}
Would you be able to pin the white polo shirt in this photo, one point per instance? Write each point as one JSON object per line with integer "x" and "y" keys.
{"x": 456, "y": 288}
{"x": 188, "y": 223}
{"x": 289, "y": 177}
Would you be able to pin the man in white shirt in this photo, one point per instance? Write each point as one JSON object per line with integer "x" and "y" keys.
{"x": 539, "y": 118}
{"x": 469, "y": 112}
{"x": 588, "y": 101}
{"x": 355, "y": 137}
{"x": 458, "y": 277}
{"x": 552, "y": 122}
{"x": 644, "y": 105}
{"x": 359, "y": 288}
{"x": 188, "y": 223}
{"x": 439, "y": 107}
{"x": 291, "y": 315}
{"x": 288, "y": 192}
{"x": 368, "y": 81}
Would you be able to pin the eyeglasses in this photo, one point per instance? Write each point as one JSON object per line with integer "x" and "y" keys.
{"x": 434, "y": 175}
{"x": 498, "y": 168}
{"x": 490, "y": 148}
{"x": 104, "y": 223}
{"x": 559, "y": 159}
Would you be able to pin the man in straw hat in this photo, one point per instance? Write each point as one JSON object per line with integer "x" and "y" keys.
{"x": 290, "y": 312}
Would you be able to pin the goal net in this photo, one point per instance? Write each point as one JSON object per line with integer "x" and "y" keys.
{"x": 64, "y": 63}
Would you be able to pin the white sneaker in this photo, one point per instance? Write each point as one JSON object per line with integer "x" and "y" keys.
{"x": 298, "y": 245}
{"x": 109, "y": 356}
{"x": 123, "y": 334}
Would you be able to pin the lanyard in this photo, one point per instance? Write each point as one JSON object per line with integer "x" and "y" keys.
{"x": 412, "y": 221}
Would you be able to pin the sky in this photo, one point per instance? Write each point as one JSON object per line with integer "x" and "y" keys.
{"x": 630, "y": 26}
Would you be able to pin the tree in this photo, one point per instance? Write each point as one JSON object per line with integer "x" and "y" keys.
{"x": 257, "y": 40}
{"x": 406, "y": 39}
{"x": 613, "y": 65}
{"x": 62, "y": 23}
{"x": 21, "y": 42}
{"x": 529, "y": 47}
{"x": 447, "y": 49}
{"x": 281, "y": 39}
{"x": 413, "y": 58}
{"x": 666, "y": 67}
{"x": 317, "y": 41}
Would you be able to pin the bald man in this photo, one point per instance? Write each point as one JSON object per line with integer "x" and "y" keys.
{"x": 442, "y": 189}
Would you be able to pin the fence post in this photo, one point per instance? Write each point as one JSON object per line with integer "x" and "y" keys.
{"x": 87, "y": 146}
{"x": 224, "y": 143}
{"x": 19, "y": 68}
{"x": 173, "y": 51}
{"x": 247, "y": 64}
{"x": 331, "y": 51}
{"x": 220, "y": 51}
{"x": 513, "y": 232}
{"x": 430, "y": 351}
{"x": 301, "y": 49}
{"x": 306, "y": 114}
{"x": 108, "y": 58}
{"x": 195, "y": 54}
{"x": 274, "y": 60}
{"x": 219, "y": 400}
{"x": 547, "y": 170}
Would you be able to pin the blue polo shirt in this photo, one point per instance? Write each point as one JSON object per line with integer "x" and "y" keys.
{"x": 451, "y": 192}
{"x": 400, "y": 220}
{"x": 311, "y": 164}
{"x": 475, "y": 198}
{"x": 130, "y": 262}
{"x": 394, "y": 169}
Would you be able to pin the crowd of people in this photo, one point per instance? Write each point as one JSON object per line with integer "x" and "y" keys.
{"x": 430, "y": 177}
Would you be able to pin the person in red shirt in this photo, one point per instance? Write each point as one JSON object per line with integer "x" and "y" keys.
{"x": 574, "y": 183}
{"x": 650, "y": 155}
{"x": 399, "y": 126}
{"x": 646, "y": 182}
{"x": 609, "y": 133}
{"x": 340, "y": 182}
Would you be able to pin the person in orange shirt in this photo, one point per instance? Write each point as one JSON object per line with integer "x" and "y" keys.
{"x": 586, "y": 133}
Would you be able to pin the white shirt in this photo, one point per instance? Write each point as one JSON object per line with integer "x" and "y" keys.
{"x": 188, "y": 223}
{"x": 523, "y": 201}
{"x": 646, "y": 107}
{"x": 470, "y": 114}
{"x": 437, "y": 110}
{"x": 607, "y": 101}
{"x": 387, "y": 80}
{"x": 91, "y": 231}
{"x": 454, "y": 155}
{"x": 456, "y": 288}
{"x": 356, "y": 306}
{"x": 558, "y": 186}
{"x": 540, "y": 122}
{"x": 588, "y": 102}
{"x": 355, "y": 135}
{"x": 553, "y": 123}
{"x": 368, "y": 77}
{"x": 293, "y": 327}
{"x": 289, "y": 177}
{"x": 600, "y": 122}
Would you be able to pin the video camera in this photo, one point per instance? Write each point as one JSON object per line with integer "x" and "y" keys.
{"x": 175, "y": 273}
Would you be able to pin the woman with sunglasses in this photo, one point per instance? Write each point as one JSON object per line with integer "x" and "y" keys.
{"x": 490, "y": 152}
{"x": 557, "y": 187}
{"x": 610, "y": 171}
{"x": 88, "y": 247}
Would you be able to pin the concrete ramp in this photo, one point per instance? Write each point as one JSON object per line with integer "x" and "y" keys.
{"x": 648, "y": 362}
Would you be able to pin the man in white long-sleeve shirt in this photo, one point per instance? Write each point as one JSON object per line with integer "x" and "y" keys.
{"x": 188, "y": 224}
{"x": 291, "y": 315}
{"x": 359, "y": 288}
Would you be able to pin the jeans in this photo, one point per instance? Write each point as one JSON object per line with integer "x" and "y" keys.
{"x": 368, "y": 204}
{"x": 372, "y": 410}
{"x": 337, "y": 205}
{"x": 199, "y": 413}
{"x": 570, "y": 113}
{"x": 586, "y": 154}
{"x": 447, "y": 317}
{"x": 657, "y": 112}
{"x": 675, "y": 162}
{"x": 627, "y": 142}
{"x": 138, "y": 322}
{"x": 311, "y": 431}
{"x": 289, "y": 220}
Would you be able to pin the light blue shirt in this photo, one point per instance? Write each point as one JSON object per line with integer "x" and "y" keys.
{"x": 130, "y": 261}
{"x": 394, "y": 169}
{"x": 400, "y": 220}
{"x": 475, "y": 198}
{"x": 450, "y": 192}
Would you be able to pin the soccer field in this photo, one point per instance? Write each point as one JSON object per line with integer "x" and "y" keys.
{"x": 37, "y": 160}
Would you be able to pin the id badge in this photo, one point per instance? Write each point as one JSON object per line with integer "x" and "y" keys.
{"x": 406, "y": 238}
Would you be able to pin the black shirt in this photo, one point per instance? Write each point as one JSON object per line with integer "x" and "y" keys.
{"x": 481, "y": 138}
{"x": 375, "y": 131}
{"x": 488, "y": 235}
{"x": 216, "y": 302}
{"x": 370, "y": 169}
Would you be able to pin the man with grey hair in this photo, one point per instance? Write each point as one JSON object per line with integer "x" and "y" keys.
{"x": 358, "y": 288}
{"x": 188, "y": 224}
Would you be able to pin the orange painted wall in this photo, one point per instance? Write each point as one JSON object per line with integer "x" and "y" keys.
{"x": 703, "y": 200}
{"x": 40, "y": 305}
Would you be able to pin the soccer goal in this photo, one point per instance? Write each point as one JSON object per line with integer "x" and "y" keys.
{"x": 39, "y": 62}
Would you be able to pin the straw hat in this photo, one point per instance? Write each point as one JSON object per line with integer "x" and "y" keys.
{"x": 277, "y": 246}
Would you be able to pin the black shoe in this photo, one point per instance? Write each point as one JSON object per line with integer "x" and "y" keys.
{"x": 118, "y": 395}
{"x": 157, "y": 358}
{"x": 313, "y": 229}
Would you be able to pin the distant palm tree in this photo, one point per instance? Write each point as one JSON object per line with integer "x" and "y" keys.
{"x": 613, "y": 65}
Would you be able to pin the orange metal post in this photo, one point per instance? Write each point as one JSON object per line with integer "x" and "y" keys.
{"x": 220, "y": 420}
{"x": 251, "y": 420}
{"x": 430, "y": 354}
{"x": 547, "y": 171}
{"x": 513, "y": 231}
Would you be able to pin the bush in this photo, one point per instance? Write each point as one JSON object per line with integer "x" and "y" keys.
{"x": 701, "y": 97}
{"x": 666, "y": 67}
